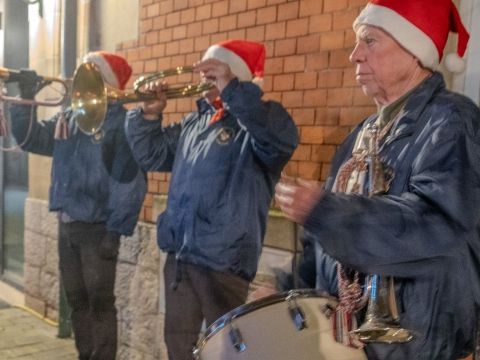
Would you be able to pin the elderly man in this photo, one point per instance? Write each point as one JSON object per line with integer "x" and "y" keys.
{"x": 225, "y": 160}
{"x": 403, "y": 196}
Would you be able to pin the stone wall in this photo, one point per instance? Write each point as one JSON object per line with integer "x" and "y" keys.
{"x": 139, "y": 283}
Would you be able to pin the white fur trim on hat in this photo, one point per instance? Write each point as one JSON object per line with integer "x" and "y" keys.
{"x": 403, "y": 31}
{"x": 238, "y": 66}
{"x": 104, "y": 67}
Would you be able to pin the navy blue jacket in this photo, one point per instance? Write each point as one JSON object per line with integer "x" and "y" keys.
{"x": 223, "y": 176}
{"x": 424, "y": 232}
{"x": 93, "y": 179}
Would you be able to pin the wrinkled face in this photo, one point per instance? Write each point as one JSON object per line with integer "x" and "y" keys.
{"x": 383, "y": 68}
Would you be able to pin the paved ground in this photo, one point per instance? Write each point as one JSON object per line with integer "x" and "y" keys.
{"x": 26, "y": 337}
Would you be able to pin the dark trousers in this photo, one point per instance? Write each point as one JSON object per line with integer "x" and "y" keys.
{"x": 89, "y": 282}
{"x": 200, "y": 294}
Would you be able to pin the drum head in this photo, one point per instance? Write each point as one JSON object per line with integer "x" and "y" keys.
{"x": 270, "y": 329}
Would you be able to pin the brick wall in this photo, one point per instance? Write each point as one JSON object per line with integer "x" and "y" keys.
{"x": 307, "y": 70}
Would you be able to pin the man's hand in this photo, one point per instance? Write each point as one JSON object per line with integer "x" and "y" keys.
{"x": 215, "y": 71}
{"x": 297, "y": 198}
{"x": 153, "y": 108}
{"x": 109, "y": 245}
{"x": 28, "y": 83}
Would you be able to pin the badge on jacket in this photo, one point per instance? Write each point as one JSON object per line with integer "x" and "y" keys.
{"x": 224, "y": 135}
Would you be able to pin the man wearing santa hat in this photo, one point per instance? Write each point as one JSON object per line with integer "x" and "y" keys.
{"x": 403, "y": 197}
{"x": 97, "y": 189}
{"x": 225, "y": 160}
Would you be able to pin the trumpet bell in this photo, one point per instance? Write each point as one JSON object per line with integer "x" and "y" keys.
{"x": 89, "y": 98}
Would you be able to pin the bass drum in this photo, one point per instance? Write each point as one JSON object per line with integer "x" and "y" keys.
{"x": 295, "y": 325}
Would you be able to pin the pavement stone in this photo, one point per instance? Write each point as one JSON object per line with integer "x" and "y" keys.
{"x": 26, "y": 337}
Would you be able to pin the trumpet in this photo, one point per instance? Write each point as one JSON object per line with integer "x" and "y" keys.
{"x": 90, "y": 95}
{"x": 9, "y": 75}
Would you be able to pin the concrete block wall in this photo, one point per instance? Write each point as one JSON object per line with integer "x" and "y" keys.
{"x": 307, "y": 69}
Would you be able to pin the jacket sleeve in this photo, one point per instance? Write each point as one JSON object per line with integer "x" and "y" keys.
{"x": 410, "y": 234}
{"x": 31, "y": 135}
{"x": 127, "y": 183}
{"x": 274, "y": 134}
{"x": 153, "y": 146}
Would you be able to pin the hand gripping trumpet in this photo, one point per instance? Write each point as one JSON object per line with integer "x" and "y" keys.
{"x": 90, "y": 95}
{"x": 9, "y": 76}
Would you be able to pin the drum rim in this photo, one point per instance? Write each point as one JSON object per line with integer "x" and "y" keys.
{"x": 244, "y": 309}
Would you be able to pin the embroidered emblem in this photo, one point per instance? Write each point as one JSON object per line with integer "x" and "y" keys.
{"x": 224, "y": 135}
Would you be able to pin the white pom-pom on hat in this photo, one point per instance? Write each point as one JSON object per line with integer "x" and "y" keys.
{"x": 454, "y": 63}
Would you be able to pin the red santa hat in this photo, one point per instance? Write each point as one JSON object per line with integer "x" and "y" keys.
{"x": 421, "y": 27}
{"x": 115, "y": 69}
{"x": 245, "y": 58}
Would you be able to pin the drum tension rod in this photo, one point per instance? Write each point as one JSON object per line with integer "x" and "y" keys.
{"x": 296, "y": 312}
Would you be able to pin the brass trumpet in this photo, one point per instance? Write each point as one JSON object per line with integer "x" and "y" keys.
{"x": 9, "y": 75}
{"x": 90, "y": 95}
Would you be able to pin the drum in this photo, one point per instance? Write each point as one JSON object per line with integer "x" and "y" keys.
{"x": 295, "y": 325}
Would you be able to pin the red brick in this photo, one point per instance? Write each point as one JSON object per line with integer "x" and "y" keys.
{"x": 216, "y": 38}
{"x": 247, "y": 18}
{"x": 255, "y": 4}
{"x": 294, "y": 63}
{"x": 309, "y": 170}
{"x": 165, "y": 35}
{"x": 339, "y": 97}
{"x": 339, "y": 58}
{"x": 322, "y": 153}
{"x": 163, "y": 187}
{"x": 152, "y": 186}
{"x": 179, "y": 32}
{"x": 291, "y": 169}
{"x": 357, "y": 3}
{"x": 187, "y": 16}
{"x": 256, "y": 33}
{"x": 311, "y": 135}
{"x": 315, "y": 98}
{"x": 327, "y": 116}
{"x": 287, "y": 11}
{"x": 344, "y": 19}
{"x": 173, "y": 19}
{"x": 302, "y": 152}
{"x": 334, "y": 134}
{"x": 306, "y": 80}
{"x": 334, "y": 5}
{"x": 159, "y": 22}
{"x": 146, "y": 25}
{"x": 153, "y": 10}
{"x": 297, "y": 27}
{"x": 285, "y": 47}
{"x": 292, "y": 99}
{"x": 273, "y": 96}
{"x": 172, "y": 48}
{"x": 274, "y": 65}
{"x": 303, "y": 116}
{"x": 237, "y": 34}
{"x": 350, "y": 39}
{"x": 308, "y": 44}
{"x": 310, "y": 7}
{"x": 161, "y": 176}
{"x": 194, "y": 29}
{"x": 227, "y": 23}
{"x": 151, "y": 38}
{"x": 209, "y": 26}
{"x": 148, "y": 200}
{"x": 180, "y": 4}
{"x": 220, "y": 8}
{"x": 166, "y": 7}
{"x": 317, "y": 61}
{"x": 283, "y": 82}
{"x": 238, "y": 6}
{"x": 186, "y": 46}
{"x": 266, "y": 15}
{"x": 330, "y": 78}
{"x": 332, "y": 40}
{"x": 203, "y": 12}
{"x": 145, "y": 53}
{"x": 275, "y": 31}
